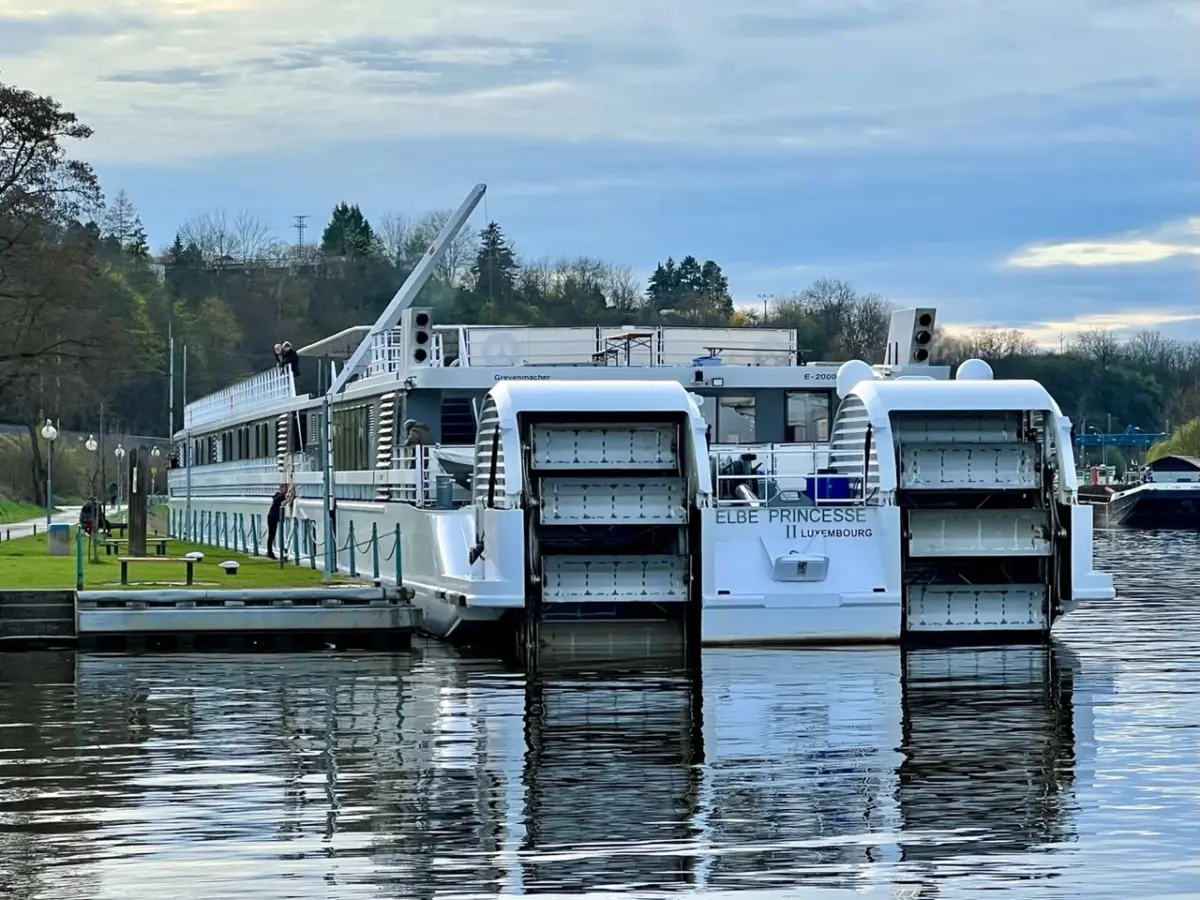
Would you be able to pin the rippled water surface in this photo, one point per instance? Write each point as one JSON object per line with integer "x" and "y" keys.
{"x": 1063, "y": 772}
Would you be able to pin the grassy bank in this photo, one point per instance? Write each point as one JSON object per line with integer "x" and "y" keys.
{"x": 19, "y": 511}
{"x": 24, "y": 563}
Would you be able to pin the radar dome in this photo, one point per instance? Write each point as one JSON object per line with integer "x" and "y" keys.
{"x": 973, "y": 370}
{"x": 851, "y": 374}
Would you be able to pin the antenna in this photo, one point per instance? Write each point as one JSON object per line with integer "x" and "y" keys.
{"x": 299, "y": 220}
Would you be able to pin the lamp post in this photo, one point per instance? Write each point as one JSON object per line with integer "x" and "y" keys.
{"x": 92, "y": 446}
{"x": 49, "y": 432}
{"x": 155, "y": 455}
{"x": 120, "y": 454}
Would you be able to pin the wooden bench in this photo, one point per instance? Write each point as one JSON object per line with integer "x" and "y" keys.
{"x": 119, "y": 527}
{"x": 126, "y": 560}
{"x": 113, "y": 545}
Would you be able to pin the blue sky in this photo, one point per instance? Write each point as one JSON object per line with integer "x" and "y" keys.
{"x": 1029, "y": 163}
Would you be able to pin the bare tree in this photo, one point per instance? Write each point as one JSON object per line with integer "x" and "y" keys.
{"x": 251, "y": 236}
{"x": 395, "y": 232}
{"x": 865, "y": 328}
{"x": 1099, "y": 344}
{"x": 985, "y": 343}
{"x": 459, "y": 254}
{"x": 120, "y": 219}
{"x": 622, "y": 288}
{"x": 212, "y": 233}
{"x": 1147, "y": 349}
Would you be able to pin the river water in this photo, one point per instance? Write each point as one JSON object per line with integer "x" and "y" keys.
{"x": 1068, "y": 772}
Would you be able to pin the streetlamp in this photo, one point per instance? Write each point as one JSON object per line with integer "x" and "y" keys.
{"x": 91, "y": 446}
{"x": 49, "y": 432}
{"x": 155, "y": 453}
{"x": 120, "y": 454}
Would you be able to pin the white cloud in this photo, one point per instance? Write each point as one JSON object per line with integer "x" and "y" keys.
{"x": 234, "y": 76}
{"x": 1168, "y": 242}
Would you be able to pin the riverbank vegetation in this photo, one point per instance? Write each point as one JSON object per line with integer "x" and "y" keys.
{"x": 87, "y": 305}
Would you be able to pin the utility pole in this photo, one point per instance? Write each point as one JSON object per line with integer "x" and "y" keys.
{"x": 187, "y": 457}
{"x": 171, "y": 387}
{"x": 299, "y": 220}
{"x": 103, "y": 462}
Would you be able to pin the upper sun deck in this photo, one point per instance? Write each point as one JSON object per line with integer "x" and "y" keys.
{"x": 421, "y": 354}
{"x": 466, "y": 346}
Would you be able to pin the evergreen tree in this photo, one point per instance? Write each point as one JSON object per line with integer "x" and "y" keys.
{"x": 494, "y": 274}
{"x": 663, "y": 289}
{"x": 349, "y": 234}
{"x": 138, "y": 246}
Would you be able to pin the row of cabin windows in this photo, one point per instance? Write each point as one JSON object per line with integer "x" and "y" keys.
{"x": 254, "y": 441}
{"x": 351, "y": 439}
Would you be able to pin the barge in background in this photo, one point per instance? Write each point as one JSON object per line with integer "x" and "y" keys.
{"x": 1167, "y": 496}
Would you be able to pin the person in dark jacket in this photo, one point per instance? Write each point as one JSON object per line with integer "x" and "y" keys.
{"x": 273, "y": 516}
{"x": 289, "y": 358}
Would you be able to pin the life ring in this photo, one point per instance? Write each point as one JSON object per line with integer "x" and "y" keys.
{"x": 501, "y": 349}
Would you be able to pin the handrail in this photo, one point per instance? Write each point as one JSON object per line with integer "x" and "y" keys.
{"x": 258, "y": 391}
{"x": 780, "y": 474}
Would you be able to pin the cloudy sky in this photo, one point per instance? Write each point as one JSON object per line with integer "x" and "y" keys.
{"x": 1032, "y": 163}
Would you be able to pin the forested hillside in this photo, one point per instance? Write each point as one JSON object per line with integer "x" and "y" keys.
{"x": 86, "y": 304}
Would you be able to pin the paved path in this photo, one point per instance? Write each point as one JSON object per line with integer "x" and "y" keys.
{"x": 66, "y": 514}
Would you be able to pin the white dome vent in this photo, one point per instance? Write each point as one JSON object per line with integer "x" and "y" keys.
{"x": 973, "y": 370}
{"x": 851, "y": 374}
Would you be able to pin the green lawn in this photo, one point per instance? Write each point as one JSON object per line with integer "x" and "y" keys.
{"x": 24, "y": 563}
{"x": 19, "y": 511}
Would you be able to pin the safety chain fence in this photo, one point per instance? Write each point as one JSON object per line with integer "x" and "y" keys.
{"x": 244, "y": 533}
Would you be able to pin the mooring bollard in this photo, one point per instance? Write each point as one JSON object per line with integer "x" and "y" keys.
{"x": 296, "y": 540}
{"x": 353, "y": 568}
{"x": 78, "y": 558}
{"x": 374, "y": 551}
{"x": 396, "y": 553}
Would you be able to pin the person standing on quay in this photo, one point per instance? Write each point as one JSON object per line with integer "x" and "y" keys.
{"x": 273, "y": 516}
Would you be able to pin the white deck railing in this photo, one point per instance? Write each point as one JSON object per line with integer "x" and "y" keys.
{"x": 387, "y": 353}
{"x": 499, "y": 345}
{"x": 413, "y": 479}
{"x": 776, "y": 474}
{"x": 258, "y": 391}
{"x": 772, "y": 474}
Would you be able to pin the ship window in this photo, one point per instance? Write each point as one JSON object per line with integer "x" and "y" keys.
{"x": 808, "y": 416}
{"x": 351, "y": 438}
{"x": 735, "y": 421}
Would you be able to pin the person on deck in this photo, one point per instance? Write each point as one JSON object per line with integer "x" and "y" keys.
{"x": 289, "y": 358}
{"x": 416, "y": 433}
{"x": 273, "y": 516}
{"x": 278, "y": 354}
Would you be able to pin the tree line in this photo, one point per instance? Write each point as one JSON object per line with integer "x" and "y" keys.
{"x": 87, "y": 305}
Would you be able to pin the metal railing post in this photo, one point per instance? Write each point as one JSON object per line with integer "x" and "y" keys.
{"x": 374, "y": 551}
{"x": 353, "y": 568}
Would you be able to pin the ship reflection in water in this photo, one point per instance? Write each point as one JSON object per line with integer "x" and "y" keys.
{"x": 864, "y": 773}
